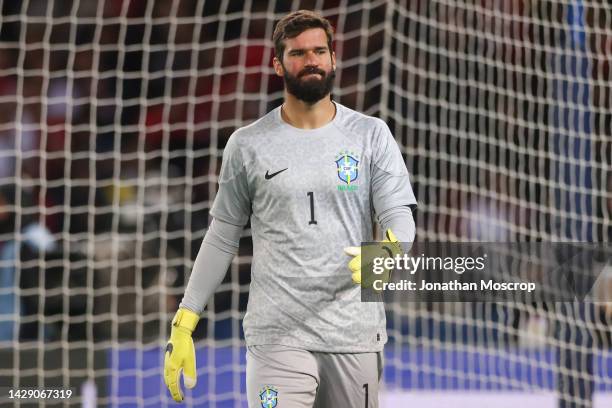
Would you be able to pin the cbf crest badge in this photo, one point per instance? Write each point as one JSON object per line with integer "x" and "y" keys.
{"x": 347, "y": 165}
{"x": 268, "y": 396}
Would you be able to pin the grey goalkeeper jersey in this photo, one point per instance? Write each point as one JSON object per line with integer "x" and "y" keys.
{"x": 310, "y": 194}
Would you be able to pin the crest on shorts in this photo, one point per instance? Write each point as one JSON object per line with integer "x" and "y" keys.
{"x": 268, "y": 396}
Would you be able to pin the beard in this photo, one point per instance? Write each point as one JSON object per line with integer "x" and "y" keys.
{"x": 310, "y": 90}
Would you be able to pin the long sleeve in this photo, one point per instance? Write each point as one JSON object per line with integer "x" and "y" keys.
{"x": 401, "y": 222}
{"x": 218, "y": 248}
{"x": 391, "y": 186}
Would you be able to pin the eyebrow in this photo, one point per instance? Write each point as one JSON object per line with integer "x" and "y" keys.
{"x": 304, "y": 49}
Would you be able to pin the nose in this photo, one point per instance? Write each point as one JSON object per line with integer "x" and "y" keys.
{"x": 311, "y": 59}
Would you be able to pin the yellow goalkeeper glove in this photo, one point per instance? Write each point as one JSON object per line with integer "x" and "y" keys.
{"x": 180, "y": 353}
{"x": 387, "y": 248}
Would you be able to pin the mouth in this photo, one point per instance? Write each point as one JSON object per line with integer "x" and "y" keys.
{"x": 308, "y": 74}
{"x": 311, "y": 75}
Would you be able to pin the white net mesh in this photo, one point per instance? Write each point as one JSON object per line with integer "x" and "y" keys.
{"x": 113, "y": 118}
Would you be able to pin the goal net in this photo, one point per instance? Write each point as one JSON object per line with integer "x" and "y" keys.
{"x": 113, "y": 119}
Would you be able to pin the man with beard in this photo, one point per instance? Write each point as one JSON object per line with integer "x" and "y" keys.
{"x": 311, "y": 174}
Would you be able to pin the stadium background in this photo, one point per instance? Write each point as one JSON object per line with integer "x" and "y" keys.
{"x": 113, "y": 119}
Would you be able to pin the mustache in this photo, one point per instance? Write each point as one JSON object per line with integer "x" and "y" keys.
{"x": 311, "y": 70}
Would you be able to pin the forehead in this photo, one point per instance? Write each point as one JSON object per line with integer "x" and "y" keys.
{"x": 311, "y": 38}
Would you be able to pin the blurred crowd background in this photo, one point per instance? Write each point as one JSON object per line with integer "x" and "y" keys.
{"x": 114, "y": 114}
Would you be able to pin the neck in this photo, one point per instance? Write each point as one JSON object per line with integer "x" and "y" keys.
{"x": 302, "y": 115}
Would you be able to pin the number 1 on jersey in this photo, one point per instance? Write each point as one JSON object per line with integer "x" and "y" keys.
{"x": 312, "y": 216}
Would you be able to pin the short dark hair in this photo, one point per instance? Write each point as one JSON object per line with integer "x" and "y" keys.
{"x": 295, "y": 23}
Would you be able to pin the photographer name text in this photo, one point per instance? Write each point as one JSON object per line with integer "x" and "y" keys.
{"x": 455, "y": 285}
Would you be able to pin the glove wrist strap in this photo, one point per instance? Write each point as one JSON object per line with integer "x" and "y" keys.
{"x": 186, "y": 319}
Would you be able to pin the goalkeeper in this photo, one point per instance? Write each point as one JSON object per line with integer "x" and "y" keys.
{"x": 311, "y": 175}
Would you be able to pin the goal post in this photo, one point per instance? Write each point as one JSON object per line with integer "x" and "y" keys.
{"x": 113, "y": 120}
